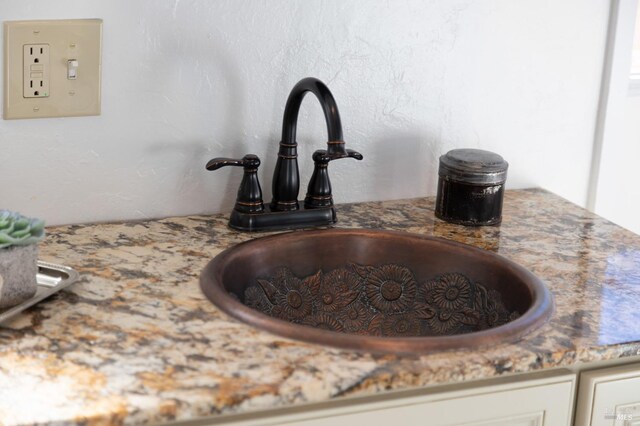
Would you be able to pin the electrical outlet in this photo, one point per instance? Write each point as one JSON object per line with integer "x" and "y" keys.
{"x": 36, "y": 71}
{"x": 52, "y": 68}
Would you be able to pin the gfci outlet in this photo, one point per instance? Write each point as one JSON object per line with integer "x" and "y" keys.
{"x": 52, "y": 68}
{"x": 35, "y": 80}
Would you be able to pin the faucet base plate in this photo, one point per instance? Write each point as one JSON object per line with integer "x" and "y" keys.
{"x": 276, "y": 220}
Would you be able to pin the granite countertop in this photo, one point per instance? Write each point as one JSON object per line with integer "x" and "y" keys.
{"x": 135, "y": 341}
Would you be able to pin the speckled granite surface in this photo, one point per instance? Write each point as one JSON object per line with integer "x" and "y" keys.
{"x": 135, "y": 341}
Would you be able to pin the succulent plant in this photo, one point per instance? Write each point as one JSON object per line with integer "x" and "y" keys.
{"x": 17, "y": 230}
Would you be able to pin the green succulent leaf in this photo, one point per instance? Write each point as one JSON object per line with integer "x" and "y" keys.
{"x": 18, "y": 230}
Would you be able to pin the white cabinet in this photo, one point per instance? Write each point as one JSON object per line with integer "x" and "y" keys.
{"x": 546, "y": 399}
{"x": 609, "y": 396}
{"x": 605, "y": 396}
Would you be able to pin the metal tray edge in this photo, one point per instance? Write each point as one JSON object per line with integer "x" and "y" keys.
{"x": 72, "y": 276}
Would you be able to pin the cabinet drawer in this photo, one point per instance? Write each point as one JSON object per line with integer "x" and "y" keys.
{"x": 546, "y": 400}
{"x": 609, "y": 396}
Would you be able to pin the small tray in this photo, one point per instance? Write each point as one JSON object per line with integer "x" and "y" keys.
{"x": 51, "y": 278}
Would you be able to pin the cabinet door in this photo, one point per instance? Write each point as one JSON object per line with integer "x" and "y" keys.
{"x": 609, "y": 396}
{"x": 546, "y": 400}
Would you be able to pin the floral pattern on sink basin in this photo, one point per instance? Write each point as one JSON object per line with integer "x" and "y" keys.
{"x": 379, "y": 301}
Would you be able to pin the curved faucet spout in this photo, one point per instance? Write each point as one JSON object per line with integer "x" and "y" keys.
{"x": 329, "y": 107}
{"x": 286, "y": 177}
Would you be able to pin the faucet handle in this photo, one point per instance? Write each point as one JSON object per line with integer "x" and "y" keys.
{"x": 348, "y": 153}
{"x": 249, "y": 160}
{"x": 249, "y": 199}
{"x": 354, "y": 154}
{"x": 319, "y": 188}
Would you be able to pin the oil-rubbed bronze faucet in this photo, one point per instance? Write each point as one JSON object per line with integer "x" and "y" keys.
{"x": 284, "y": 212}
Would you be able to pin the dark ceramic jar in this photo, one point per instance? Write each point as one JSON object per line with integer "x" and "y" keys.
{"x": 471, "y": 187}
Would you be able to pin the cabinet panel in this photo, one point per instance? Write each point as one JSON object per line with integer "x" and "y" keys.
{"x": 546, "y": 401}
{"x": 609, "y": 397}
{"x": 533, "y": 419}
{"x": 538, "y": 405}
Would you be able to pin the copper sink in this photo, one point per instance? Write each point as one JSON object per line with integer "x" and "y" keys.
{"x": 377, "y": 291}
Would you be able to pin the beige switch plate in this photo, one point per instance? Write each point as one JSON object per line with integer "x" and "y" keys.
{"x": 76, "y": 39}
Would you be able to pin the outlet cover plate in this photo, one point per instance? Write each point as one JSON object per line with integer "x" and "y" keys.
{"x": 75, "y": 39}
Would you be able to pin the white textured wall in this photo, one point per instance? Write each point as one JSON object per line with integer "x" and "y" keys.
{"x": 618, "y": 190}
{"x": 188, "y": 80}
{"x": 617, "y": 194}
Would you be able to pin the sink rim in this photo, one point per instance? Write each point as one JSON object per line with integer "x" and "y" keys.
{"x": 537, "y": 315}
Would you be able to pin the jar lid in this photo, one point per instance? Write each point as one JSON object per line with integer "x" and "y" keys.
{"x": 474, "y": 166}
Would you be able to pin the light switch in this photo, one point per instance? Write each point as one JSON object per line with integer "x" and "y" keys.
{"x": 52, "y": 68}
{"x": 72, "y": 69}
